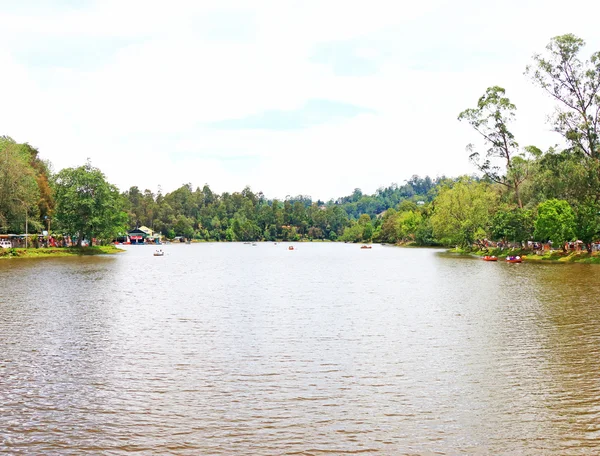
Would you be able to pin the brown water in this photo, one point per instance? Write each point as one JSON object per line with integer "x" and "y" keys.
{"x": 235, "y": 349}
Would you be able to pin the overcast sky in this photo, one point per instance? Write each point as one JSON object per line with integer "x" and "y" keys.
{"x": 306, "y": 97}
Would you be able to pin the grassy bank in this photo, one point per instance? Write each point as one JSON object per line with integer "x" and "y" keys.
{"x": 570, "y": 257}
{"x": 554, "y": 256}
{"x": 52, "y": 252}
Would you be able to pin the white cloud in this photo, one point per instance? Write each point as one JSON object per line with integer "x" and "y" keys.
{"x": 175, "y": 68}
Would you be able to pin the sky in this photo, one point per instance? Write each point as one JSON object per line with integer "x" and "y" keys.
{"x": 287, "y": 97}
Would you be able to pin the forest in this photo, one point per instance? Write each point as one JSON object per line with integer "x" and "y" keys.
{"x": 516, "y": 194}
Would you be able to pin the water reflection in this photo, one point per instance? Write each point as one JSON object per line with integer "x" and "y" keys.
{"x": 569, "y": 321}
{"x": 227, "y": 349}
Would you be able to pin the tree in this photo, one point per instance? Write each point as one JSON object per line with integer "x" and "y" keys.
{"x": 587, "y": 223}
{"x": 337, "y": 220}
{"x": 462, "y": 213}
{"x": 183, "y": 226}
{"x": 424, "y": 233}
{"x": 512, "y": 224}
{"x": 317, "y": 220}
{"x": 87, "y": 206}
{"x": 409, "y": 223}
{"x": 576, "y": 87}
{"x": 368, "y": 232}
{"x": 490, "y": 119}
{"x": 564, "y": 175}
{"x": 41, "y": 171}
{"x": 148, "y": 206}
{"x": 133, "y": 198}
{"x": 265, "y": 217}
{"x": 353, "y": 233}
{"x": 389, "y": 227}
{"x": 19, "y": 190}
{"x": 555, "y": 221}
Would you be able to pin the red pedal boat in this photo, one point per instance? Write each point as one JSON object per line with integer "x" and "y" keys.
{"x": 490, "y": 258}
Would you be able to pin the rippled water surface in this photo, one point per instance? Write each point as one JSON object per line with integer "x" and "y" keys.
{"x": 239, "y": 349}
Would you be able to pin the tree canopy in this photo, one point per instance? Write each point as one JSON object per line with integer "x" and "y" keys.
{"x": 491, "y": 119}
{"x": 463, "y": 212}
{"x": 555, "y": 221}
{"x": 575, "y": 85}
{"x": 24, "y": 190}
{"x": 87, "y": 206}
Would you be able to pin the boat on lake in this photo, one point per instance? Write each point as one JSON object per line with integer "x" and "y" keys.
{"x": 365, "y": 246}
{"x": 490, "y": 258}
{"x": 514, "y": 259}
{"x": 291, "y": 247}
{"x": 159, "y": 253}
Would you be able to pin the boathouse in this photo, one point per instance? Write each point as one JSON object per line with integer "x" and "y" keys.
{"x": 139, "y": 235}
{"x": 143, "y": 235}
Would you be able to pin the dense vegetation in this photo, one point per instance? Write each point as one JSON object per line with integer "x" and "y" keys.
{"x": 81, "y": 204}
{"x": 522, "y": 193}
{"x": 25, "y": 193}
{"x": 245, "y": 215}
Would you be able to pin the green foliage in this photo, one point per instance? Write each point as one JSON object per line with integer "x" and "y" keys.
{"x": 368, "y": 232}
{"x": 353, "y": 233}
{"x": 587, "y": 221}
{"x": 19, "y": 189}
{"x": 184, "y": 226}
{"x": 512, "y": 224}
{"x": 408, "y": 225}
{"x": 575, "y": 85}
{"x": 491, "y": 119}
{"x": 389, "y": 228}
{"x": 415, "y": 189}
{"x": 424, "y": 211}
{"x": 463, "y": 212}
{"x": 86, "y": 205}
{"x": 424, "y": 233}
{"x": 555, "y": 222}
{"x": 564, "y": 175}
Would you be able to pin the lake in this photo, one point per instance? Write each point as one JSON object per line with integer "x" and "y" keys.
{"x": 327, "y": 349}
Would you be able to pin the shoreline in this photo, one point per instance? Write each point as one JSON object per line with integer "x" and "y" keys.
{"x": 58, "y": 252}
{"x": 554, "y": 256}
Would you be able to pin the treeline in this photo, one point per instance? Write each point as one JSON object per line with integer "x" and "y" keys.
{"x": 521, "y": 194}
{"x": 524, "y": 194}
{"x": 25, "y": 192}
{"x": 81, "y": 204}
{"x": 248, "y": 216}
{"x": 530, "y": 194}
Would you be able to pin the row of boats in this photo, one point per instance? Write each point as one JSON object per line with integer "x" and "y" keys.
{"x": 509, "y": 259}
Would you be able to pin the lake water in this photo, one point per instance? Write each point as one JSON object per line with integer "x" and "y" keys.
{"x": 327, "y": 349}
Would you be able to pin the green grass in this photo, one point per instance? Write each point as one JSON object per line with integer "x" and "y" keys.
{"x": 554, "y": 256}
{"x": 53, "y": 252}
{"x": 570, "y": 257}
